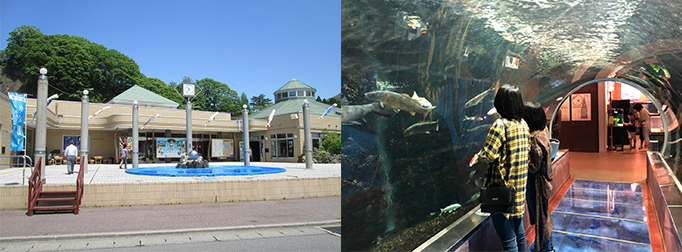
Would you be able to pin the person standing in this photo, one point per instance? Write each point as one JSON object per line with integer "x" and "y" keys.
{"x": 124, "y": 157}
{"x": 540, "y": 177}
{"x": 70, "y": 153}
{"x": 632, "y": 130}
{"x": 511, "y": 134}
{"x": 645, "y": 121}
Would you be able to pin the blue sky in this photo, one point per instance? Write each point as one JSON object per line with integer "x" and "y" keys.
{"x": 253, "y": 46}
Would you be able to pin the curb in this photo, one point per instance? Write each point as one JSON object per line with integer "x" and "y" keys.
{"x": 165, "y": 231}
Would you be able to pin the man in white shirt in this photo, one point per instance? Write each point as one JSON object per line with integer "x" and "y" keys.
{"x": 70, "y": 152}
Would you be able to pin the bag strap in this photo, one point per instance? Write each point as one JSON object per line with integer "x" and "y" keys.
{"x": 545, "y": 156}
{"x": 505, "y": 149}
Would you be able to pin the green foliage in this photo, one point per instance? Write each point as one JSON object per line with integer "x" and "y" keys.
{"x": 243, "y": 99}
{"x": 331, "y": 142}
{"x": 260, "y": 102}
{"x": 321, "y": 153}
{"x": 73, "y": 64}
{"x": 159, "y": 87}
{"x": 215, "y": 96}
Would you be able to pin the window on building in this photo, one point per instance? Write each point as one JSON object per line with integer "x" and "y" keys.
{"x": 300, "y": 93}
{"x": 292, "y": 93}
{"x": 316, "y": 140}
{"x": 284, "y": 95}
{"x": 282, "y": 145}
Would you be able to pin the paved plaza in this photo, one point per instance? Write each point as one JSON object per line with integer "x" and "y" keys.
{"x": 111, "y": 174}
{"x": 156, "y": 225}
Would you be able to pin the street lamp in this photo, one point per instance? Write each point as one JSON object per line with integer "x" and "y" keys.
{"x": 85, "y": 111}
{"x": 245, "y": 146}
{"x": 41, "y": 120}
{"x": 308, "y": 138}
{"x": 136, "y": 135}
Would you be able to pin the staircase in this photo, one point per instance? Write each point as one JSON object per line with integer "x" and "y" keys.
{"x": 40, "y": 201}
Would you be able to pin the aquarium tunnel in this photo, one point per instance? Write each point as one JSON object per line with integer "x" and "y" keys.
{"x": 418, "y": 82}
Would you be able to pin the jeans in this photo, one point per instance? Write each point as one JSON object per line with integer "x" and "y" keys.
{"x": 510, "y": 231}
{"x": 70, "y": 160}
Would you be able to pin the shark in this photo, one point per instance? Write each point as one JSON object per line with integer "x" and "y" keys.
{"x": 398, "y": 102}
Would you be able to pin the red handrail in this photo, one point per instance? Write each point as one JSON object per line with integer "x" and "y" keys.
{"x": 79, "y": 185}
{"x": 35, "y": 186}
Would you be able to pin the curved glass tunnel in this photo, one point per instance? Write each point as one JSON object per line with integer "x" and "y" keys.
{"x": 399, "y": 170}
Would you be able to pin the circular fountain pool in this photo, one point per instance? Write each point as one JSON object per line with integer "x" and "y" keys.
{"x": 222, "y": 170}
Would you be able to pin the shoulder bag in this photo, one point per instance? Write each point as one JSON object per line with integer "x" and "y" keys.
{"x": 498, "y": 198}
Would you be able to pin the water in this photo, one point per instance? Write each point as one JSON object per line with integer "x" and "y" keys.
{"x": 211, "y": 171}
{"x": 455, "y": 54}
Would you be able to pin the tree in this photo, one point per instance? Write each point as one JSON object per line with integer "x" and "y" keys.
{"x": 331, "y": 142}
{"x": 159, "y": 87}
{"x": 73, "y": 64}
{"x": 243, "y": 99}
{"x": 260, "y": 102}
{"x": 216, "y": 96}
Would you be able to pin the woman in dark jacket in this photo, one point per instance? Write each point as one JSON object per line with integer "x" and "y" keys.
{"x": 539, "y": 177}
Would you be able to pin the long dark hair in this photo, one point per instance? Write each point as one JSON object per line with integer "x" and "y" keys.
{"x": 508, "y": 102}
{"x": 535, "y": 116}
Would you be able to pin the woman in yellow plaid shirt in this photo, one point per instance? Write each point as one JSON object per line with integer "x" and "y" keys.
{"x": 512, "y": 134}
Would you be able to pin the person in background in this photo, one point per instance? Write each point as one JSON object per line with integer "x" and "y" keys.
{"x": 645, "y": 121}
{"x": 70, "y": 153}
{"x": 512, "y": 132}
{"x": 540, "y": 177}
{"x": 124, "y": 157}
{"x": 632, "y": 130}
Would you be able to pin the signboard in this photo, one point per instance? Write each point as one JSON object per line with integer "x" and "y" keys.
{"x": 170, "y": 147}
{"x": 128, "y": 141}
{"x": 18, "y": 103}
{"x": 68, "y": 138}
{"x": 565, "y": 111}
{"x": 581, "y": 107}
{"x": 222, "y": 148}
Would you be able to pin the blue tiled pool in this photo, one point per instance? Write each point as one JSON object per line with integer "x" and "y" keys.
{"x": 211, "y": 171}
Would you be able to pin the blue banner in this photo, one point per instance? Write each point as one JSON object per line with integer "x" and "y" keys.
{"x": 18, "y": 102}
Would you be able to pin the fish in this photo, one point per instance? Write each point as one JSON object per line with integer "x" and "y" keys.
{"x": 421, "y": 128}
{"x": 398, "y": 102}
{"x": 485, "y": 127}
{"x": 272, "y": 115}
{"x": 210, "y": 119}
{"x": 473, "y": 118}
{"x": 478, "y": 98}
{"x": 49, "y": 100}
{"x": 423, "y": 101}
{"x": 150, "y": 120}
{"x": 99, "y": 111}
{"x": 328, "y": 110}
{"x": 352, "y": 114}
{"x": 449, "y": 209}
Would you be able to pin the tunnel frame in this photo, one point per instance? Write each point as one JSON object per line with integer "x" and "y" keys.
{"x": 627, "y": 82}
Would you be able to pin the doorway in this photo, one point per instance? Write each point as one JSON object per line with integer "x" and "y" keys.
{"x": 666, "y": 137}
{"x": 255, "y": 147}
